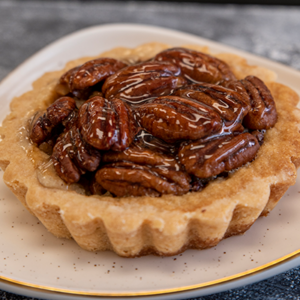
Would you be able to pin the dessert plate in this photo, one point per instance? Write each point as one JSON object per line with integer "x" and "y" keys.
{"x": 36, "y": 264}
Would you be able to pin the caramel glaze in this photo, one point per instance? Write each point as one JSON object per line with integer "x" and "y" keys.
{"x": 164, "y": 126}
{"x": 44, "y": 123}
{"x": 106, "y": 124}
{"x": 80, "y": 78}
{"x": 210, "y": 157}
{"x": 138, "y": 83}
{"x": 231, "y": 106}
{"x": 173, "y": 118}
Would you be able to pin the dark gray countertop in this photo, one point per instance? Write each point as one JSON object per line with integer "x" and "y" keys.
{"x": 269, "y": 31}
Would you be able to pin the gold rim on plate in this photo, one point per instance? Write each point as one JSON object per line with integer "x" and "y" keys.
{"x": 249, "y": 273}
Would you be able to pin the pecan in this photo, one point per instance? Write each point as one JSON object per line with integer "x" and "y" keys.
{"x": 88, "y": 74}
{"x": 229, "y": 104}
{"x": 173, "y": 118}
{"x": 209, "y": 158}
{"x": 196, "y": 66}
{"x": 107, "y": 124}
{"x": 72, "y": 156}
{"x": 260, "y": 135}
{"x": 237, "y": 86}
{"x": 95, "y": 188}
{"x": 262, "y": 114}
{"x": 71, "y": 120}
{"x": 160, "y": 171}
{"x": 143, "y": 156}
{"x": 138, "y": 83}
{"x": 128, "y": 179}
{"x": 43, "y": 123}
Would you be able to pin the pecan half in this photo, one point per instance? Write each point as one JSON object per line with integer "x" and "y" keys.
{"x": 107, "y": 124}
{"x": 128, "y": 179}
{"x": 209, "y": 158}
{"x": 43, "y": 123}
{"x": 160, "y": 171}
{"x": 143, "y": 156}
{"x": 229, "y": 104}
{"x": 88, "y": 74}
{"x": 260, "y": 135}
{"x": 94, "y": 187}
{"x": 173, "y": 118}
{"x": 196, "y": 66}
{"x": 262, "y": 114}
{"x": 72, "y": 156}
{"x": 237, "y": 86}
{"x": 137, "y": 83}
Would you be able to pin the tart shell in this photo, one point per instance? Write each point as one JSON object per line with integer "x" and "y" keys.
{"x": 168, "y": 225}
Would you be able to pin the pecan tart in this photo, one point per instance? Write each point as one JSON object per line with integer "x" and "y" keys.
{"x": 153, "y": 149}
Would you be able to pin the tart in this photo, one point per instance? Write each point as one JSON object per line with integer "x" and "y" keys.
{"x": 188, "y": 214}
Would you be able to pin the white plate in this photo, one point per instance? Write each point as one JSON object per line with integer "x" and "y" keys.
{"x": 36, "y": 264}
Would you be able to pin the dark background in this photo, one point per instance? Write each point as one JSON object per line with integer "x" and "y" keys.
{"x": 256, "y": 2}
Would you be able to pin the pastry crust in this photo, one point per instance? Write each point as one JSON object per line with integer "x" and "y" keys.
{"x": 167, "y": 225}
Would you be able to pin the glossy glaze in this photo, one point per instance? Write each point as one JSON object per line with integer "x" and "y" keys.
{"x": 155, "y": 127}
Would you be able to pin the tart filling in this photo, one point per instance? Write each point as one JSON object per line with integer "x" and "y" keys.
{"x": 199, "y": 120}
{"x": 154, "y": 131}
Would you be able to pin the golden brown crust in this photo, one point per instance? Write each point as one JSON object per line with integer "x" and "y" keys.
{"x": 167, "y": 225}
